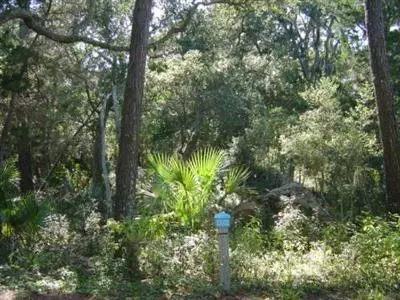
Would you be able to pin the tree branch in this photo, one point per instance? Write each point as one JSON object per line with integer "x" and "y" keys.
{"x": 36, "y": 23}
{"x": 181, "y": 27}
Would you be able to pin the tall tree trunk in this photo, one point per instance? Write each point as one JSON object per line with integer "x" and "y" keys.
{"x": 24, "y": 150}
{"x": 24, "y": 162}
{"x": 101, "y": 183}
{"x": 384, "y": 99}
{"x": 127, "y": 165}
{"x": 116, "y": 107}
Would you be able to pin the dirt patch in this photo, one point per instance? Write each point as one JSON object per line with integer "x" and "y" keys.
{"x": 62, "y": 297}
{"x": 11, "y": 295}
{"x": 8, "y": 295}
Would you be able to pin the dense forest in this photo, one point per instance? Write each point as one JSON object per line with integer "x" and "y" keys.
{"x": 125, "y": 126}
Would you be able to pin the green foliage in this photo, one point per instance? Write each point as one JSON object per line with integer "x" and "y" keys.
{"x": 378, "y": 252}
{"x": 235, "y": 178}
{"x": 13, "y": 77}
{"x": 19, "y": 215}
{"x": 24, "y": 216}
{"x": 262, "y": 137}
{"x": 335, "y": 234}
{"x": 282, "y": 85}
{"x": 194, "y": 98}
{"x": 350, "y": 260}
{"x": 294, "y": 231}
{"x": 328, "y": 146}
{"x": 142, "y": 229}
{"x": 249, "y": 238}
{"x": 8, "y": 181}
{"x": 186, "y": 188}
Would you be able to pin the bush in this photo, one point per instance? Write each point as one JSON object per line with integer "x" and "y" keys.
{"x": 294, "y": 231}
{"x": 181, "y": 256}
{"x": 378, "y": 253}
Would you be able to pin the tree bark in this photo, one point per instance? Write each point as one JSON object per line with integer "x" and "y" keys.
{"x": 127, "y": 165}
{"x": 116, "y": 106}
{"x": 101, "y": 182}
{"x": 24, "y": 162}
{"x": 384, "y": 99}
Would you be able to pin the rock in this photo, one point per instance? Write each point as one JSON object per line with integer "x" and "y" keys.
{"x": 293, "y": 194}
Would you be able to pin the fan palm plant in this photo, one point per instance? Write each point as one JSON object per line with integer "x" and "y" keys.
{"x": 186, "y": 187}
{"x": 19, "y": 214}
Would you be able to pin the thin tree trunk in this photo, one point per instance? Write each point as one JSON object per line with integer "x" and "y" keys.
{"x": 127, "y": 165}
{"x": 116, "y": 107}
{"x": 384, "y": 99}
{"x": 106, "y": 179}
{"x": 24, "y": 163}
{"x": 190, "y": 145}
{"x": 101, "y": 182}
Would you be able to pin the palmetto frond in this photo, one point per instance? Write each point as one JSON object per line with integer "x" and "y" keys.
{"x": 182, "y": 174}
{"x": 236, "y": 177}
{"x": 160, "y": 164}
{"x": 186, "y": 186}
{"x": 172, "y": 170}
{"x": 205, "y": 165}
{"x": 8, "y": 180}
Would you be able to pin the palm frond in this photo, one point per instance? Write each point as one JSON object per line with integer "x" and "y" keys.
{"x": 8, "y": 180}
{"x": 25, "y": 215}
{"x": 160, "y": 164}
{"x": 205, "y": 164}
{"x": 182, "y": 174}
{"x": 185, "y": 187}
{"x": 235, "y": 179}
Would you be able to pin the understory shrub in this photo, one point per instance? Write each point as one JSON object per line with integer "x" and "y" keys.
{"x": 295, "y": 259}
{"x": 377, "y": 248}
{"x": 181, "y": 256}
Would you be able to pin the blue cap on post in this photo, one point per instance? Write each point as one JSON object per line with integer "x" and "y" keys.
{"x": 222, "y": 220}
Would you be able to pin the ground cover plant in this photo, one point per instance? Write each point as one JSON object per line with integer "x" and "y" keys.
{"x": 75, "y": 252}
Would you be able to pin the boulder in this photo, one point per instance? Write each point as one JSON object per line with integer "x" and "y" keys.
{"x": 293, "y": 194}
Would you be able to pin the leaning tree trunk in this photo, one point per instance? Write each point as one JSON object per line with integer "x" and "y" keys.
{"x": 384, "y": 99}
{"x": 127, "y": 164}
